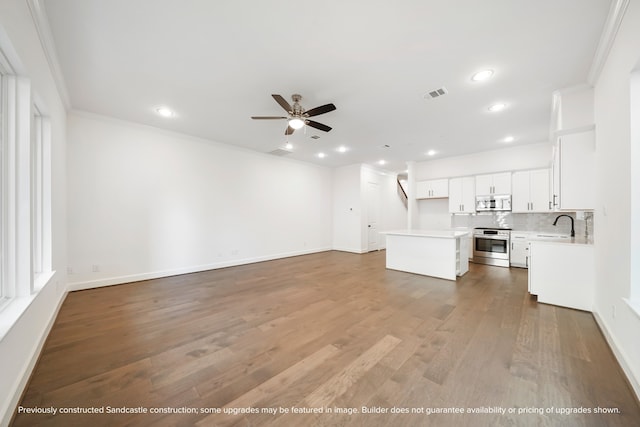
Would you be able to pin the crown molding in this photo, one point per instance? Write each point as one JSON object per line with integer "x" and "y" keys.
{"x": 39, "y": 16}
{"x": 611, "y": 27}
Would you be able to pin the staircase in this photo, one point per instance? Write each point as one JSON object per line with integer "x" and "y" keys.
{"x": 402, "y": 192}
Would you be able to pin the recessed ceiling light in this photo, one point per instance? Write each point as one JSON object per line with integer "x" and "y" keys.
{"x": 382, "y": 162}
{"x": 288, "y": 146}
{"x": 497, "y": 107}
{"x": 509, "y": 139}
{"x": 165, "y": 112}
{"x": 322, "y": 155}
{"x": 482, "y": 75}
{"x": 431, "y": 153}
{"x": 342, "y": 149}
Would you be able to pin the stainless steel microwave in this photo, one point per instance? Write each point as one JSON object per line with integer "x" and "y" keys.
{"x": 497, "y": 202}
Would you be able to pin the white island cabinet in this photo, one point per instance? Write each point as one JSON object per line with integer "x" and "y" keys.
{"x": 437, "y": 253}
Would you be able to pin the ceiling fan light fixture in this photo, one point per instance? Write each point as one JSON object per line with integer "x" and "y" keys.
{"x": 296, "y": 123}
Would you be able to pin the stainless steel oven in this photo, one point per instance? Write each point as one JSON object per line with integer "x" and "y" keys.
{"x": 491, "y": 246}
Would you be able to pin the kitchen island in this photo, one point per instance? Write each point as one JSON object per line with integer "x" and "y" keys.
{"x": 437, "y": 253}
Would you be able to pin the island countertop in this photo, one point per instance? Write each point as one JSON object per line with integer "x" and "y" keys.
{"x": 444, "y": 233}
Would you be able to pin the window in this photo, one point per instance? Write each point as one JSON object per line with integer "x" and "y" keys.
{"x": 634, "y": 292}
{"x": 25, "y": 188}
{"x": 40, "y": 200}
{"x": 4, "y": 71}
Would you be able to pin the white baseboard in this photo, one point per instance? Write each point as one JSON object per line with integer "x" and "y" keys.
{"x": 347, "y": 249}
{"x": 118, "y": 280}
{"x": 619, "y": 354}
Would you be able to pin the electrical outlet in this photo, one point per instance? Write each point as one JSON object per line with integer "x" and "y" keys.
{"x": 95, "y": 268}
{"x": 69, "y": 270}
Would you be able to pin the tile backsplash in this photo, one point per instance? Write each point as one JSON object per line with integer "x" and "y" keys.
{"x": 541, "y": 222}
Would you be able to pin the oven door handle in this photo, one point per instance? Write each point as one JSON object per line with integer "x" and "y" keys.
{"x": 488, "y": 236}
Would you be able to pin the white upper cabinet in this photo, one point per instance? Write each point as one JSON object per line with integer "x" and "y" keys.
{"x": 462, "y": 195}
{"x": 432, "y": 189}
{"x": 531, "y": 191}
{"x": 573, "y": 173}
{"x": 496, "y": 183}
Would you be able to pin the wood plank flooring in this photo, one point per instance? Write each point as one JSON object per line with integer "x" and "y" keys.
{"x": 311, "y": 340}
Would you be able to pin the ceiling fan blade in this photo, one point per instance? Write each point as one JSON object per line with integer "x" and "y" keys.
{"x": 289, "y": 130}
{"x": 283, "y": 103}
{"x": 318, "y": 125}
{"x": 320, "y": 110}
{"x": 267, "y": 117}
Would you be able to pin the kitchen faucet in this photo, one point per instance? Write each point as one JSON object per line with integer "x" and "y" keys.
{"x": 573, "y": 232}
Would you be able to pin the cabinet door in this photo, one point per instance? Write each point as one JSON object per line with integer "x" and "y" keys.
{"x": 484, "y": 185}
{"x": 576, "y": 171}
{"x": 518, "y": 255}
{"x": 554, "y": 187}
{"x": 440, "y": 188}
{"x": 502, "y": 183}
{"x": 455, "y": 195}
{"x": 521, "y": 198}
{"x": 468, "y": 194}
{"x": 539, "y": 190}
{"x": 422, "y": 190}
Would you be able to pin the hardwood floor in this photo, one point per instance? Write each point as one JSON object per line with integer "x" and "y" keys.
{"x": 332, "y": 332}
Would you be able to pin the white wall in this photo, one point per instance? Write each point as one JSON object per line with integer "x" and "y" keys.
{"x": 147, "y": 203}
{"x": 575, "y": 108}
{"x": 530, "y": 156}
{"x": 613, "y": 192}
{"x": 20, "y": 346}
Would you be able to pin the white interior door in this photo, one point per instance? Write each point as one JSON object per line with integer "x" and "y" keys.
{"x": 373, "y": 214}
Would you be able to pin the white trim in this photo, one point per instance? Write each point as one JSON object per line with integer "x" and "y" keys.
{"x": 118, "y": 280}
{"x": 350, "y": 250}
{"x": 8, "y": 408}
{"x": 41, "y": 22}
{"x": 634, "y": 306}
{"x": 619, "y": 355}
{"x": 611, "y": 27}
{"x": 579, "y": 129}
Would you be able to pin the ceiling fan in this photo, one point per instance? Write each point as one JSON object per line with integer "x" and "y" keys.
{"x": 298, "y": 116}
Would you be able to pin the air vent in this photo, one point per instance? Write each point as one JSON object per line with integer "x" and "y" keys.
{"x": 280, "y": 152}
{"x": 314, "y": 137}
{"x": 436, "y": 93}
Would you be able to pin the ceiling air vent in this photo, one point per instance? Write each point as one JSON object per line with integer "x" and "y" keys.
{"x": 314, "y": 137}
{"x": 436, "y": 93}
{"x": 280, "y": 152}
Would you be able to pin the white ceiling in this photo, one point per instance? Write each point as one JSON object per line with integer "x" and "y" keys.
{"x": 217, "y": 62}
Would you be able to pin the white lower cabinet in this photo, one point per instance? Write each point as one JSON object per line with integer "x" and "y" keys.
{"x": 562, "y": 274}
{"x": 519, "y": 255}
